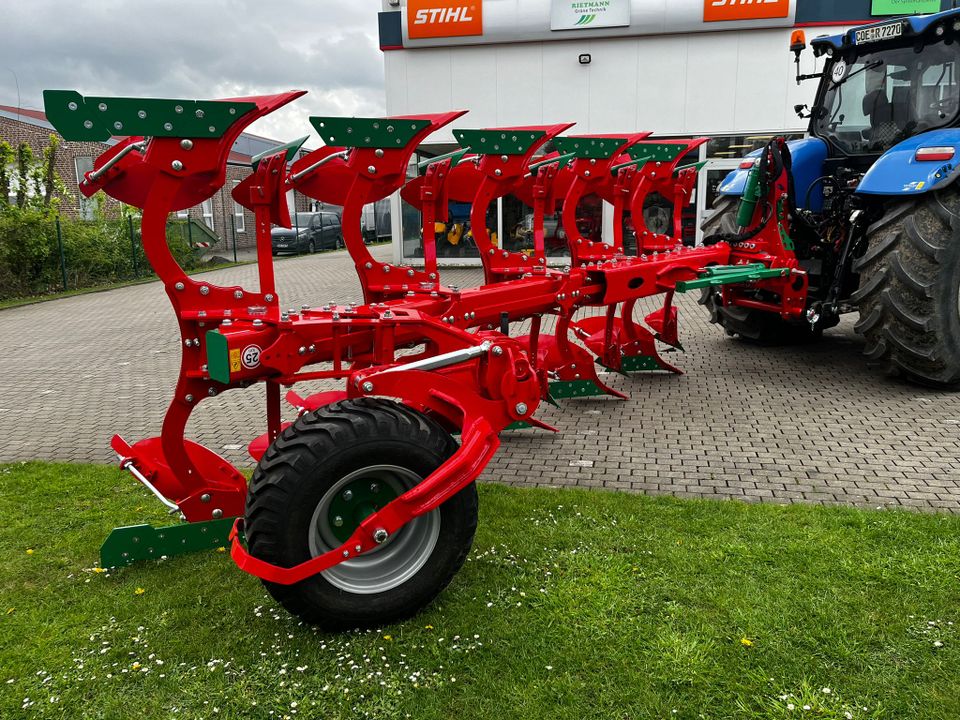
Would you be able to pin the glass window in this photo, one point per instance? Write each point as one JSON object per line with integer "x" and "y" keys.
{"x": 239, "y": 222}
{"x": 83, "y": 165}
{"x": 207, "y": 207}
{"x": 887, "y": 96}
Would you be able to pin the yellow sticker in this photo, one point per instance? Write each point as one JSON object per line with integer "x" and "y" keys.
{"x": 235, "y": 360}
{"x": 920, "y": 185}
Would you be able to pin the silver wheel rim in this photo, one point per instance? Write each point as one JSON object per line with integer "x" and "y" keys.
{"x": 395, "y": 561}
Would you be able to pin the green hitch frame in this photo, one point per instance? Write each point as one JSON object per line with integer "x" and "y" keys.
{"x": 730, "y": 275}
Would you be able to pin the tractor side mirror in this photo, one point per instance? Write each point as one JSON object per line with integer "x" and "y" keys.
{"x": 798, "y": 109}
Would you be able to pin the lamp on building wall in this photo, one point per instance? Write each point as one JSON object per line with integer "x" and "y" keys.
{"x": 584, "y": 58}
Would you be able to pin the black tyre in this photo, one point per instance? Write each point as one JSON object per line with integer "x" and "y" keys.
{"x": 326, "y": 473}
{"x": 909, "y": 294}
{"x": 756, "y": 326}
{"x": 658, "y": 214}
{"x": 312, "y": 247}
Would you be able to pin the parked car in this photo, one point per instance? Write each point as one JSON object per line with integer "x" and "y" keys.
{"x": 311, "y": 231}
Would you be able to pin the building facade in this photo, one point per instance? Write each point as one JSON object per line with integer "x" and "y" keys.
{"x": 720, "y": 69}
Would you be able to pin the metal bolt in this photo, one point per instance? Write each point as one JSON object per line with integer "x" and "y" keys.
{"x": 346, "y": 553}
{"x": 205, "y": 498}
{"x": 498, "y": 172}
{"x": 410, "y": 272}
{"x": 302, "y": 350}
{"x": 186, "y": 144}
{"x": 212, "y": 392}
{"x": 217, "y": 513}
{"x": 368, "y": 265}
{"x": 338, "y": 521}
{"x": 503, "y": 158}
{"x": 238, "y": 294}
{"x": 312, "y": 348}
{"x": 204, "y": 290}
{"x": 586, "y": 173}
{"x": 268, "y": 297}
{"x": 372, "y": 169}
{"x": 521, "y": 408}
{"x": 378, "y": 152}
{"x": 374, "y": 487}
{"x": 188, "y": 398}
{"x": 497, "y": 350}
{"x": 348, "y": 495}
{"x": 177, "y": 165}
{"x": 380, "y": 536}
{"x": 179, "y": 286}
{"x": 258, "y": 322}
{"x": 367, "y": 387}
{"x": 357, "y": 548}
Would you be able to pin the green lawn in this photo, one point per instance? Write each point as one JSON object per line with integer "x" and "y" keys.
{"x": 572, "y": 605}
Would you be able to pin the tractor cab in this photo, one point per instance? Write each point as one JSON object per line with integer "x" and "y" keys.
{"x": 886, "y": 82}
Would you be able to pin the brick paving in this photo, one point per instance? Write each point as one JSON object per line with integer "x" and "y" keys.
{"x": 804, "y": 424}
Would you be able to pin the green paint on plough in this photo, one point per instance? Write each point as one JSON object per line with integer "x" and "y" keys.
{"x": 126, "y": 545}
{"x": 560, "y": 389}
{"x": 639, "y": 363}
{"x": 730, "y": 274}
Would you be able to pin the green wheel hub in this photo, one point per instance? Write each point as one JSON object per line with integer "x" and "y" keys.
{"x": 357, "y": 501}
{"x": 346, "y": 504}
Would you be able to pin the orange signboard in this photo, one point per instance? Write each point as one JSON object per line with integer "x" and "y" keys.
{"x": 717, "y": 10}
{"x": 444, "y": 18}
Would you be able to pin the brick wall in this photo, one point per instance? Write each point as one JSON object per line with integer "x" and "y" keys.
{"x": 226, "y": 214}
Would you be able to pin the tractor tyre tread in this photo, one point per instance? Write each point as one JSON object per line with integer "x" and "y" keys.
{"x": 909, "y": 295}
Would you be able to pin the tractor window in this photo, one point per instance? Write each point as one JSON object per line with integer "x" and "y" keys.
{"x": 888, "y": 96}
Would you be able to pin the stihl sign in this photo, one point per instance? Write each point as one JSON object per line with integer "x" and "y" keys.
{"x": 714, "y": 10}
{"x": 444, "y": 18}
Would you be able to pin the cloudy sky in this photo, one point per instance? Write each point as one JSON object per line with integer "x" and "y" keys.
{"x": 198, "y": 49}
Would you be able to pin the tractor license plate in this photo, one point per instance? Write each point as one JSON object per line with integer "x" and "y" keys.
{"x": 879, "y": 32}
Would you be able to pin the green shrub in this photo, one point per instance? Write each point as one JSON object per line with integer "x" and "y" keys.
{"x": 95, "y": 252}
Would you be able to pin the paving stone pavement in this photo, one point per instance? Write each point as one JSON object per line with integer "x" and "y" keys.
{"x": 803, "y": 424}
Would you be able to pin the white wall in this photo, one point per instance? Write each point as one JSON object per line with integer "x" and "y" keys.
{"x": 704, "y": 83}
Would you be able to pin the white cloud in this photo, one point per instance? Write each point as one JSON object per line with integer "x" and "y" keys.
{"x": 199, "y": 49}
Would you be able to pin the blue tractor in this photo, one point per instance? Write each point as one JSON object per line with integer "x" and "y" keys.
{"x": 875, "y": 216}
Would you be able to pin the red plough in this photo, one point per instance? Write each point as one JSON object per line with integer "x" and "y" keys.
{"x": 363, "y": 508}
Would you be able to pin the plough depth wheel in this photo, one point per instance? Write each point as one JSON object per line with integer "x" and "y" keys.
{"x": 326, "y": 473}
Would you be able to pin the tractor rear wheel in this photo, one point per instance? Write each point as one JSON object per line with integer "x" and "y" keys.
{"x": 756, "y": 326}
{"x": 909, "y": 294}
{"x": 327, "y": 472}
